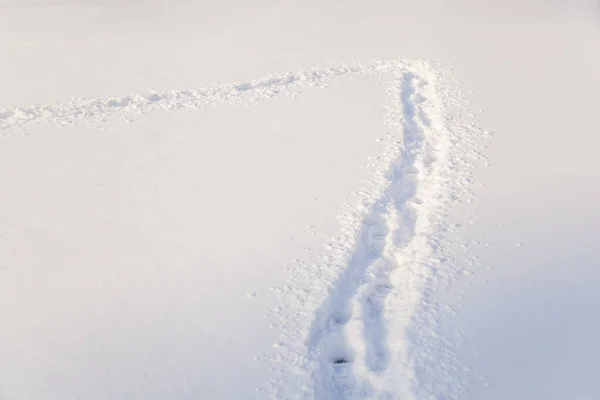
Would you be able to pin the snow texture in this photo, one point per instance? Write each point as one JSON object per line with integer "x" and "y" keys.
{"x": 215, "y": 241}
{"x": 379, "y": 272}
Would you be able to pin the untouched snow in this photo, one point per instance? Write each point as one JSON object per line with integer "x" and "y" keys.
{"x": 319, "y": 199}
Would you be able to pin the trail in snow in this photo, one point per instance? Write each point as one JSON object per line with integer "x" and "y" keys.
{"x": 351, "y": 322}
{"x": 376, "y": 329}
{"x": 93, "y": 110}
{"x": 350, "y": 333}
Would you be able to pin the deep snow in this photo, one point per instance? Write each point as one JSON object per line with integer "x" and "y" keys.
{"x": 284, "y": 214}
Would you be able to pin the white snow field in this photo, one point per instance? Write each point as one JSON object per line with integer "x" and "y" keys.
{"x": 299, "y": 200}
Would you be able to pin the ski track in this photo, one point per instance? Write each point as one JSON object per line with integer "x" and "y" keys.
{"x": 360, "y": 322}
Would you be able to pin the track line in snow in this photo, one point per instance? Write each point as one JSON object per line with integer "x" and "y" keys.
{"x": 96, "y": 110}
{"x": 368, "y": 321}
{"x": 349, "y": 336}
{"x": 376, "y": 332}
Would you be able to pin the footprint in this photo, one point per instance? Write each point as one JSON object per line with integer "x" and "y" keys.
{"x": 342, "y": 378}
{"x": 340, "y": 317}
{"x": 339, "y": 354}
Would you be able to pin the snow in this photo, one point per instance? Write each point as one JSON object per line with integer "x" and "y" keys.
{"x": 318, "y": 199}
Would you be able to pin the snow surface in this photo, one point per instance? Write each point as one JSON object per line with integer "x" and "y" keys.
{"x": 317, "y": 199}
